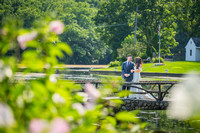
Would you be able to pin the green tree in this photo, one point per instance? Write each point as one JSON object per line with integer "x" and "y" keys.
{"x": 77, "y": 15}
{"x": 187, "y": 12}
{"x": 150, "y": 13}
{"x": 112, "y": 23}
{"x": 128, "y": 47}
{"x": 81, "y": 36}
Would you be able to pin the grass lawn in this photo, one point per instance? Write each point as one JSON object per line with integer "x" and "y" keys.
{"x": 172, "y": 67}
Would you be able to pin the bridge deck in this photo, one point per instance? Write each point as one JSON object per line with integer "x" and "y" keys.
{"x": 157, "y": 94}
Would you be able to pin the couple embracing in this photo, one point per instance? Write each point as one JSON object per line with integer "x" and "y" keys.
{"x": 131, "y": 72}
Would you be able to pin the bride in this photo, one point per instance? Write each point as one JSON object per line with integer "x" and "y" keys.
{"x": 137, "y": 69}
{"x": 136, "y": 78}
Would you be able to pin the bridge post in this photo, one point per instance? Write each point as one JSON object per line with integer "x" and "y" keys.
{"x": 96, "y": 85}
{"x": 159, "y": 93}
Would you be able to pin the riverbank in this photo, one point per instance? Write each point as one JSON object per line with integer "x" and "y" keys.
{"x": 176, "y": 67}
{"x": 144, "y": 74}
{"x": 63, "y": 66}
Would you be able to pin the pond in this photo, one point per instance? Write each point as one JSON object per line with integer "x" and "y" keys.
{"x": 157, "y": 119}
{"x": 85, "y": 74}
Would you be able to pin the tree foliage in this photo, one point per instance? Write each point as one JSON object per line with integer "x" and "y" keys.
{"x": 187, "y": 22}
{"x": 177, "y": 18}
{"x": 79, "y": 24}
{"x": 128, "y": 47}
{"x": 98, "y": 27}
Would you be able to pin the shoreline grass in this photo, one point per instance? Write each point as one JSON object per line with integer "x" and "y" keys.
{"x": 172, "y": 67}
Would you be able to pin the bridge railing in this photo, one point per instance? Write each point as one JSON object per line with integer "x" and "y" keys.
{"x": 158, "y": 89}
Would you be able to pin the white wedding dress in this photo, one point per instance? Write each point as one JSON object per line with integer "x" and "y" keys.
{"x": 136, "y": 78}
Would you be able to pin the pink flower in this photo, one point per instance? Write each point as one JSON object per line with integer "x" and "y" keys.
{"x": 59, "y": 125}
{"x": 57, "y": 98}
{"x": 3, "y": 31}
{"x": 92, "y": 92}
{"x": 79, "y": 107}
{"x": 57, "y": 27}
{"x": 37, "y": 126}
{"x": 90, "y": 105}
{"x": 6, "y": 116}
{"x": 23, "y": 39}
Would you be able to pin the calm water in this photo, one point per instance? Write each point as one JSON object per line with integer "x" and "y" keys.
{"x": 84, "y": 74}
{"x": 159, "y": 122}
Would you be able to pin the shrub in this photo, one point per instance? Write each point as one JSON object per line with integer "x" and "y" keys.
{"x": 156, "y": 60}
{"x": 144, "y": 56}
{"x": 114, "y": 64}
{"x": 128, "y": 47}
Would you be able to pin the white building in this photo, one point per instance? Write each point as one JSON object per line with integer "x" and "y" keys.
{"x": 193, "y": 50}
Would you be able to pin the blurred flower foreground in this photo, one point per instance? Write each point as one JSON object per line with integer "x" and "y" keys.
{"x": 51, "y": 104}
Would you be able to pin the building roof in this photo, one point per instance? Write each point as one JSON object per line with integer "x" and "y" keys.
{"x": 196, "y": 41}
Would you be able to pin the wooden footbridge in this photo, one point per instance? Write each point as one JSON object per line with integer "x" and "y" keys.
{"x": 158, "y": 94}
{"x": 158, "y": 89}
{"x": 154, "y": 95}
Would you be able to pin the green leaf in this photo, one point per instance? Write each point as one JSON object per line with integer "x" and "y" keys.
{"x": 65, "y": 47}
{"x": 111, "y": 120}
{"x": 127, "y": 117}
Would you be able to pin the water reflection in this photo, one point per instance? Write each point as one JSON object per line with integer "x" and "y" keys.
{"x": 83, "y": 74}
{"x": 159, "y": 122}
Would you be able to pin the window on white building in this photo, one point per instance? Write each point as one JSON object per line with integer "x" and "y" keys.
{"x": 190, "y": 52}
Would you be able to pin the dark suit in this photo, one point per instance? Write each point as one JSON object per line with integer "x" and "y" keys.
{"x": 126, "y": 69}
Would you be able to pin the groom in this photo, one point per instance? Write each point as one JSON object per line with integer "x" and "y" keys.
{"x": 127, "y": 66}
